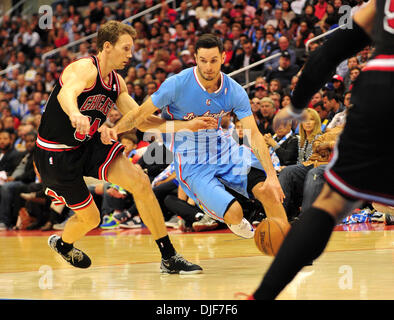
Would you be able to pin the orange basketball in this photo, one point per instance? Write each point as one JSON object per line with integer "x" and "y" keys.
{"x": 270, "y": 234}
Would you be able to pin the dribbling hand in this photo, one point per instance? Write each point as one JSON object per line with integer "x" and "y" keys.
{"x": 80, "y": 122}
{"x": 107, "y": 134}
{"x": 273, "y": 187}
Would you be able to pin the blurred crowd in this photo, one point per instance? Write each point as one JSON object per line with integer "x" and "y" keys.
{"x": 250, "y": 30}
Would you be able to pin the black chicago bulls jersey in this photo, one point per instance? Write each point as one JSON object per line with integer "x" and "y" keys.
{"x": 94, "y": 102}
{"x": 384, "y": 27}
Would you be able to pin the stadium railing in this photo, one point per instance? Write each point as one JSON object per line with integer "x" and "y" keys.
{"x": 93, "y": 35}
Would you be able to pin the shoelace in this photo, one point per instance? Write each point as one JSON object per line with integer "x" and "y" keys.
{"x": 76, "y": 255}
{"x": 179, "y": 258}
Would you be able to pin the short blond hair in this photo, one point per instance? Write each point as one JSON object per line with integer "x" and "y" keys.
{"x": 269, "y": 100}
{"x": 111, "y": 31}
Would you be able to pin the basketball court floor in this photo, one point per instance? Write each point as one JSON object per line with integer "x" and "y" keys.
{"x": 357, "y": 264}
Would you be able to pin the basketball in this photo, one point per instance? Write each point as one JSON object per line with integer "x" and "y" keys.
{"x": 270, "y": 234}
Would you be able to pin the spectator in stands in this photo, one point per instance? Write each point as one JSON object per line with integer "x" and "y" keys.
{"x": 339, "y": 87}
{"x": 276, "y": 98}
{"x": 323, "y": 114}
{"x": 255, "y": 104}
{"x": 284, "y": 144}
{"x": 274, "y": 86}
{"x": 318, "y": 96}
{"x": 258, "y": 41}
{"x": 185, "y": 14}
{"x": 292, "y": 177}
{"x": 151, "y": 88}
{"x": 181, "y": 205}
{"x": 332, "y": 104}
{"x": 260, "y": 91}
{"x": 161, "y": 75}
{"x": 238, "y": 134}
{"x": 204, "y": 13}
{"x": 9, "y": 157}
{"x": 353, "y": 75}
{"x": 314, "y": 179}
{"x": 23, "y": 174}
{"x": 275, "y": 21}
{"x": 235, "y": 36}
{"x": 283, "y": 44}
{"x": 167, "y": 13}
{"x": 267, "y": 110}
{"x": 284, "y": 72}
{"x": 287, "y": 14}
{"x": 247, "y": 57}
{"x": 309, "y": 16}
{"x": 344, "y": 69}
{"x": 270, "y": 44}
{"x": 340, "y": 118}
{"x": 304, "y": 33}
{"x": 320, "y": 8}
{"x": 330, "y": 18}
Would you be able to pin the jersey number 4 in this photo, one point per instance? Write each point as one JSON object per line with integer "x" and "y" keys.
{"x": 388, "y": 22}
{"x": 93, "y": 128}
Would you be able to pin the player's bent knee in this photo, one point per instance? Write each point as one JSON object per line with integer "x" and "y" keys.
{"x": 234, "y": 213}
{"x": 92, "y": 219}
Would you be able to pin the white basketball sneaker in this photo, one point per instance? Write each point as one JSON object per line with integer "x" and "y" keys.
{"x": 243, "y": 230}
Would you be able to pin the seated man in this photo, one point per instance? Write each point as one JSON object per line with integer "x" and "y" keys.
{"x": 284, "y": 144}
{"x": 285, "y": 70}
{"x": 23, "y": 174}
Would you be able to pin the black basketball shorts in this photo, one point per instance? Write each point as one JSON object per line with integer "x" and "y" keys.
{"x": 62, "y": 168}
{"x": 362, "y": 166}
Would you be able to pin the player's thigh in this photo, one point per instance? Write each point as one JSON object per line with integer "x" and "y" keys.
{"x": 211, "y": 196}
{"x": 334, "y": 203}
{"x": 128, "y": 175}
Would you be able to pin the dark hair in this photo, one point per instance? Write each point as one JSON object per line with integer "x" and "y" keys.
{"x": 32, "y": 133}
{"x": 208, "y": 41}
{"x": 6, "y": 131}
{"x": 319, "y": 104}
{"x": 331, "y": 95}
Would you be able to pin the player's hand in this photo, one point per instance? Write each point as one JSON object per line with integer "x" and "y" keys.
{"x": 107, "y": 134}
{"x": 272, "y": 185}
{"x": 285, "y": 115}
{"x": 203, "y": 123}
{"x": 80, "y": 122}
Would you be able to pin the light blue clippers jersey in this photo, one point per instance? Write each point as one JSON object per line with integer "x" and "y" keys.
{"x": 183, "y": 97}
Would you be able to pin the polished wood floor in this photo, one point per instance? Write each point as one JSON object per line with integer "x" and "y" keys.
{"x": 357, "y": 264}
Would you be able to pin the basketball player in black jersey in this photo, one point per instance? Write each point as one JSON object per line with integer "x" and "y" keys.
{"x": 69, "y": 147}
{"x": 361, "y": 168}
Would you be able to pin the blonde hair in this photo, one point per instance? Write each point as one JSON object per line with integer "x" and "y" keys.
{"x": 111, "y": 31}
{"x": 316, "y": 130}
{"x": 269, "y": 100}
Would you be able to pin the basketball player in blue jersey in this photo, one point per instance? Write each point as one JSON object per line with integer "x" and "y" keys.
{"x": 69, "y": 147}
{"x": 207, "y": 161}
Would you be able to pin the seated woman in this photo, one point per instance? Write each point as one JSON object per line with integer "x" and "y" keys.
{"x": 292, "y": 177}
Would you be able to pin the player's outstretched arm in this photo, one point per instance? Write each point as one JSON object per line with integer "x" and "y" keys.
{"x": 75, "y": 78}
{"x": 260, "y": 150}
{"x": 141, "y": 117}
